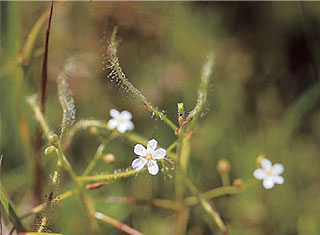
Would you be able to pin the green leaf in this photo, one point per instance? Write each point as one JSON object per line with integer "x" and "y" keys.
{"x": 10, "y": 211}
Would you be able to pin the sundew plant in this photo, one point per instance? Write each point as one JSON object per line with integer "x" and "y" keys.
{"x": 175, "y": 128}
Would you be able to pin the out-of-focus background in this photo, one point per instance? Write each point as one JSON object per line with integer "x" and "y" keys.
{"x": 264, "y": 97}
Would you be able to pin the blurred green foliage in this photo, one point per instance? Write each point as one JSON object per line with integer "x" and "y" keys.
{"x": 264, "y": 98}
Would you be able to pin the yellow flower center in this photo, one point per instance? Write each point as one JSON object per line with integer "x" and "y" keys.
{"x": 121, "y": 121}
{"x": 149, "y": 156}
{"x": 269, "y": 173}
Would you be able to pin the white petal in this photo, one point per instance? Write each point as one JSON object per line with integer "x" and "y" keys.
{"x": 114, "y": 113}
{"x": 259, "y": 174}
{"x": 122, "y": 127}
{"x": 140, "y": 150}
{"x": 138, "y": 163}
{"x": 159, "y": 153}
{"x": 112, "y": 123}
{"x": 126, "y": 115}
{"x": 152, "y": 144}
{"x": 153, "y": 167}
{"x": 130, "y": 125}
{"x": 266, "y": 164}
{"x": 277, "y": 169}
{"x": 278, "y": 179}
{"x": 268, "y": 183}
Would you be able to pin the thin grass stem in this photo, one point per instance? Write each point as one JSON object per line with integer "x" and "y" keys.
{"x": 207, "y": 207}
{"x": 213, "y": 193}
{"x": 98, "y": 154}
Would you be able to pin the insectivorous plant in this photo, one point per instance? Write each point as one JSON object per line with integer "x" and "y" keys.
{"x": 150, "y": 156}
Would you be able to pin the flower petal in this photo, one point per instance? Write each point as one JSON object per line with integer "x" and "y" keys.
{"x": 114, "y": 113}
{"x": 152, "y": 144}
{"x": 159, "y": 153}
{"x": 138, "y": 163}
{"x": 278, "y": 179}
{"x": 266, "y": 164}
{"x": 112, "y": 123}
{"x": 122, "y": 127}
{"x": 126, "y": 115}
{"x": 277, "y": 169}
{"x": 153, "y": 167}
{"x": 268, "y": 183}
{"x": 140, "y": 150}
{"x": 129, "y": 125}
{"x": 260, "y": 174}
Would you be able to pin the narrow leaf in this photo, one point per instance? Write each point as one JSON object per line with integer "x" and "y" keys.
{"x": 10, "y": 211}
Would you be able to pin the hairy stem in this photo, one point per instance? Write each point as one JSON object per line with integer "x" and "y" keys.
{"x": 40, "y": 207}
{"x": 62, "y": 161}
{"x": 120, "y": 78}
{"x": 109, "y": 176}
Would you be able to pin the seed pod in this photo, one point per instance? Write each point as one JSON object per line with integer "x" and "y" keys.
{"x": 223, "y": 166}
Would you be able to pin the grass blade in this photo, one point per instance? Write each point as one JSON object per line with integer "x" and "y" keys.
{"x": 8, "y": 208}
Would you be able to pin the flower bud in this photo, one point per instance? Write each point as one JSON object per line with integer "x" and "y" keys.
{"x": 96, "y": 185}
{"x": 238, "y": 183}
{"x": 180, "y": 109}
{"x": 94, "y": 130}
{"x": 109, "y": 158}
{"x": 49, "y": 150}
{"x": 53, "y": 139}
{"x": 260, "y": 158}
{"x": 223, "y": 166}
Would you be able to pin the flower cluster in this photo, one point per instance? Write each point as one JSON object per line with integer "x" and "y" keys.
{"x": 270, "y": 174}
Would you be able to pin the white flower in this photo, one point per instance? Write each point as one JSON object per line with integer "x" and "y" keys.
{"x": 148, "y": 157}
{"x": 269, "y": 174}
{"x": 121, "y": 121}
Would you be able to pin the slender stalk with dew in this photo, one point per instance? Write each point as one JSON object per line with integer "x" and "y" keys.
{"x": 118, "y": 76}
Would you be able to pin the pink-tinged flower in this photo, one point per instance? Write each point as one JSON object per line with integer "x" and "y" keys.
{"x": 270, "y": 174}
{"x": 148, "y": 157}
{"x": 121, "y": 121}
